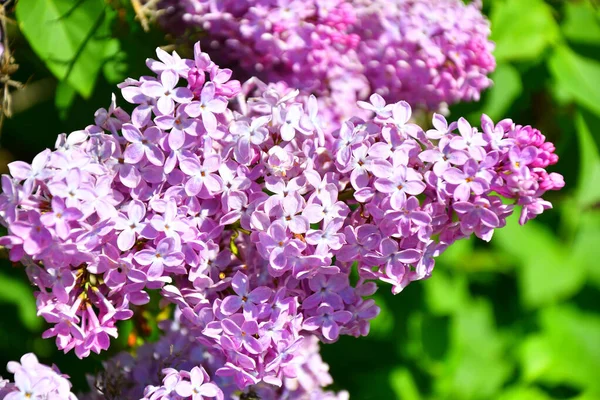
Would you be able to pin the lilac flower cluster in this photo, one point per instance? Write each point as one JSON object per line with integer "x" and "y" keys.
{"x": 249, "y": 217}
{"x": 300, "y": 44}
{"x": 303, "y": 43}
{"x": 179, "y": 367}
{"x": 429, "y": 53}
{"x": 35, "y": 381}
{"x": 176, "y": 367}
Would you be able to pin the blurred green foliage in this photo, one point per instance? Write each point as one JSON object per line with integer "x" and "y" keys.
{"x": 517, "y": 319}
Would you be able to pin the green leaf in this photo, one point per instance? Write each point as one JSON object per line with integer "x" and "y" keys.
{"x": 404, "y": 385}
{"x": 577, "y": 75}
{"x": 429, "y": 338}
{"x": 383, "y": 324}
{"x": 593, "y": 394}
{"x": 585, "y": 249}
{"x": 115, "y": 69}
{"x": 445, "y": 293}
{"x": 457, "y": 253}
{"x": 581, "y": 24}
{"x": 507, "y": 87}
{"x": 70, "y": 37}
{"x": 477, "y": 366}
{"x": 522, "y": 29}
{"x": 588, "y": 189}
{"x": 570, "y": 339}
{"x": 20, "y": 295}
{"x": 547, "y": 273}
{"x": 536, "y": 357}
{"x": 64, "y": 98}
{"x": 524, "y": 393}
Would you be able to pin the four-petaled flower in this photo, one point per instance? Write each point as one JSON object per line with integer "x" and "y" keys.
{"x": 166, "y": 254}
{"x": 327, "y": 321}
{"x": 246, "y": 299}
{"x": 166, "y": 92}
{"x": 198, "y": 387}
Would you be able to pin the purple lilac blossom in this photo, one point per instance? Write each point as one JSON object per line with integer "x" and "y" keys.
{"x": 169, "y": 368}
{"x": 177, "y": 367}
{"x": 253, "y": 243}
{"x": 33, "y": 380}
{"x": 431, "y": 53}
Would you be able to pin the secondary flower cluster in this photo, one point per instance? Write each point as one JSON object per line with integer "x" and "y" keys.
{"x": 35, "y": 381}
{"x": 250, "y": 217}
{"x": 428, "y": 52}
{"x": 301, "y": 42}
{"x": 176, "y": 367}
{"x": 305, "y": 45}
{"x": 179, "y": 367}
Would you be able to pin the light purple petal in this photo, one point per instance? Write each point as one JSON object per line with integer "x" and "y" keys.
{"x": 182, "y": 95}
{"x": 454, "y": 176}
{"x": 155, "y": 155}
{"x": 239, "y": 283}
{"x": 165, "y": 105}
{"x": 169, "y": 80}
{"x": 330, "y": 330}
{"x": 401, "y": 112}
{"x": 462, "y": 192}
{"x": 385, "y": 185}
{"x": 126, "y": 240}
{"x": 260, "y": 294}
{"x": 209, "y": 120}
{"x": 152, "y": 89}
{"x": 231, "y": 304}
{"x": 131, "y": 133}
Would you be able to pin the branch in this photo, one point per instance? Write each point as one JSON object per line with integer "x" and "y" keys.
{"x": 144, "y": 12}
{"x": 7, "y": 68}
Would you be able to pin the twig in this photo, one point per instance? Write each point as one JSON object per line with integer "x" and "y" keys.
{"x": 144, "y": 12}
{"x": 7, "y": 68}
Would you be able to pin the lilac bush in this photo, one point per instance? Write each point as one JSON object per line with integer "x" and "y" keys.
{"x": 267, "y": 232}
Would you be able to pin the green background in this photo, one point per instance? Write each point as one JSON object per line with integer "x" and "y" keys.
{"x": 518, "y": 318}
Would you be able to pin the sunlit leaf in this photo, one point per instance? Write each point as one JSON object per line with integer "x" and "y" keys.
{"x": 477, "y": 365}
{"x": 582, "y": 23}
{"x": 507, "y": 87}
{"x": 71, "y": 37}
{"x": 445, "y": 293}
{"x": 570, "y": 339}
{"x": 522, "y": 29}
{"x": 536, "y": 357}
{"x": 20, "y": 295}
{"x": 577, "y": 75}
{"x": 404, "y": 385}
{"x": 524, "y": 393}
{"x": 64, "y": 98}
{"x": 546, "y": 272}
{"x": 585, "y": 248}
{"x": 383, "y": 324}
{"x": 588, "y": 187}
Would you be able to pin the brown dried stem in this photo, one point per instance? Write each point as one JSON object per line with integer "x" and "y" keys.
{"x": 7, "y": 67}
{"x": 145, "y": 12}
